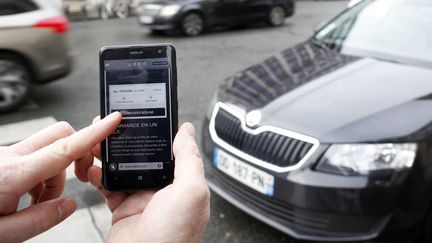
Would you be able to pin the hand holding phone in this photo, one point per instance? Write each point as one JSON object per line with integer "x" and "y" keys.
{"x": 176, "y": 213}
{"x": 140, "y": 81}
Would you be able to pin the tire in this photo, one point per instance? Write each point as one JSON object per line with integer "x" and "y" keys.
{"x": 276, "y": 16}
{"x": 192, "y": 24}
{"x": 15, "y": 79}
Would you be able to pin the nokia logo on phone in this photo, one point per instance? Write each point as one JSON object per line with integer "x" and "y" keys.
{"x": 135, "y": 52}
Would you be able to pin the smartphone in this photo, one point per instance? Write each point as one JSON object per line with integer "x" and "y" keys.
{"x": 140, "y": 81}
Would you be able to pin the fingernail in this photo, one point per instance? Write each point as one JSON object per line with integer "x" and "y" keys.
{"x": 189, "y": 128}
{"x": 113, "y": 115}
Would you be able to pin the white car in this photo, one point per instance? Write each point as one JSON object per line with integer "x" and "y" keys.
{"x": 33, "y": 48}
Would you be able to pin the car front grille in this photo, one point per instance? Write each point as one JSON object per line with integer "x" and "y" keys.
{"x": 268, "y": 146}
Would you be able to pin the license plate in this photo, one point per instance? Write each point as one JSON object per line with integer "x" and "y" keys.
{"x": 250, "y": 176}
{"x": 146, "y": 19}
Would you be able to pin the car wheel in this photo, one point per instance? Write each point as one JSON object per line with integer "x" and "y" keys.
{"x": 14, "y": 82}
{"x": 276, "y": 16}
{"x": 192, "y": 24}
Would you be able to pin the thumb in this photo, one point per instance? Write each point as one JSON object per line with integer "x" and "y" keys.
{"x": 34, "y": 220}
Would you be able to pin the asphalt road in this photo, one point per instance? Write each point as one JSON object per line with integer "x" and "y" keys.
{"x": 203, "y": 63}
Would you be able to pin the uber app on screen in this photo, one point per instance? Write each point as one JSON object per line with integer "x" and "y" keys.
{"x": 139, "y": 89}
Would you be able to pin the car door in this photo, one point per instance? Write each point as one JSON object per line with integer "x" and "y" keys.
{"x": 256, "y": 9}
{"x": 227, "y": 11}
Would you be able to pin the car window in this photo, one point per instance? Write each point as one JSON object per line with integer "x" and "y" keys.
{"x": 397, "y": 30}
{"x": 9, "y": 7}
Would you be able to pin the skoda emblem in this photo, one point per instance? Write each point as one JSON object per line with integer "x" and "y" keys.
{"x": 253, "y": 118}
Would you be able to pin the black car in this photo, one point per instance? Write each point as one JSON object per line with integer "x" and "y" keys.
{"x": 331, "y": 140}
{"x": 192, "y": 17}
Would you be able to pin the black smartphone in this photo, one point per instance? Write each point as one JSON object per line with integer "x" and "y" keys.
{"x": 140, "y": 81}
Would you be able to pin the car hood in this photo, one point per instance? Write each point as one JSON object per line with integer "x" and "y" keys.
{"x": 336, "y": 98}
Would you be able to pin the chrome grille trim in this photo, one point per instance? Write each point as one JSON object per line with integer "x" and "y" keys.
{"x": 240, "y": 114}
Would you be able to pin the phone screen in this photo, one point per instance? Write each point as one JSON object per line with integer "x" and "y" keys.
{"x": 139, "y": 153}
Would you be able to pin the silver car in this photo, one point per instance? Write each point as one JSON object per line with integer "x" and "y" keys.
{"x": 33, "y": 48}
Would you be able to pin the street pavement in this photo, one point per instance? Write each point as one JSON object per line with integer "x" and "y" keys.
{"x": 203, "y": 63}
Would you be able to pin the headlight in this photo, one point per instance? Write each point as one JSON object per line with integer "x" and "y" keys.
{"x": 169, "y": 10}
{"x": 365, "y": 159}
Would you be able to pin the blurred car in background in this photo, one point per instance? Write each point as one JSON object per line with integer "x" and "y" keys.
{"x": 33, "y": 48}
{"x": 193, "y": 17}
{"x": 331, "y": 140}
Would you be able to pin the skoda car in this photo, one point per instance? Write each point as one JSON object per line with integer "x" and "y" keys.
{"x": 192, "y": 17}
{"x": 330, "y": 140}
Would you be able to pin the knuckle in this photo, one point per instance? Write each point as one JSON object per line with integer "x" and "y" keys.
{"x": 96, "y": 119}
{"x": 9, "y": 174}
{"x": 204, "y": 197}
{"x": 60, "y": 148}
{"x": 199, "y": 194}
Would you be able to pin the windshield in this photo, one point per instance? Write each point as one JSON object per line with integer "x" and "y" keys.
{"x": 395, "y": 30}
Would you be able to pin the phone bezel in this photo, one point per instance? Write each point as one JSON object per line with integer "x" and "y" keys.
{"x": 125, "y": 181}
